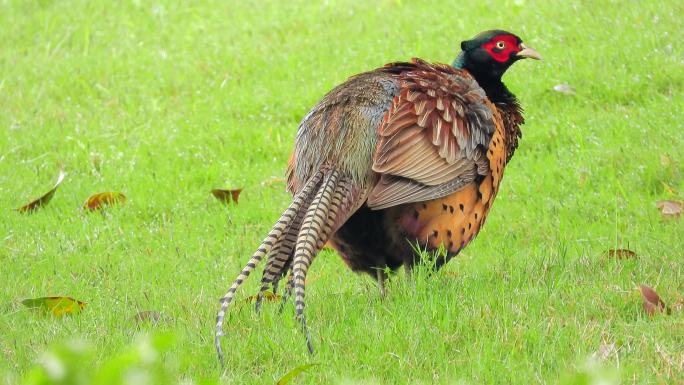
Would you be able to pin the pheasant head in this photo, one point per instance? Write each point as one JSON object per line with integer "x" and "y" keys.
{"x": 488, "y": 55}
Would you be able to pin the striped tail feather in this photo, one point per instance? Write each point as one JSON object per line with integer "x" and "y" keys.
{"x": 323, "y": 205}
{"x": 335, "y": 201}
{"x": 342, "y": 202}
{"x": 280, "y": 259}
{"x": 274, "y": 238}
{"x": 279, "y": 263}
{"x": 282, "y": 262}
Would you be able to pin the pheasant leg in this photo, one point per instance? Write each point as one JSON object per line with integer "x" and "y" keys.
{"x": 380, "y": 273}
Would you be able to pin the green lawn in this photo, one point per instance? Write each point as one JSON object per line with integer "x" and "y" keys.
{"x": 166, "y": 100}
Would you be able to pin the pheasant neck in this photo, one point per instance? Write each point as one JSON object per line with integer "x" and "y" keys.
{"x": 488, "y": 78}
{"x": 507, "y": 104}
{"x": 495, "y": 89}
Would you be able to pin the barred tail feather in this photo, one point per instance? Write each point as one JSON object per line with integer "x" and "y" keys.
{"x": 273, "y": 239}
{"x": 336, "y": 200}
{"x": 323, "y": 205}
{"x": 280, "y": 263}
{"x": 277, "y": 264}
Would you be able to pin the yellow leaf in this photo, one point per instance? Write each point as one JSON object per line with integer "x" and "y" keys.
{"x": 269, "y": 296}
{"x": 56, "y": 305}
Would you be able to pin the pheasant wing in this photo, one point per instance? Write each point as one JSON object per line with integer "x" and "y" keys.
{"x": 434, "y": 138}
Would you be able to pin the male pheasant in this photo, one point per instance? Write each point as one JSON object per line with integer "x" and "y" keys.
{"x": 410, "y": 154}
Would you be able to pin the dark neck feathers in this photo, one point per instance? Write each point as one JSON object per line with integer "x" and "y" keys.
{"x": 488, "y": 78}
{"x": 497, "y": 93}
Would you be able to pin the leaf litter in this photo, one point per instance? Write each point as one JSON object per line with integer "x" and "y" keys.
{"x": 57, "y": 306}
{"x": 45, "y": 199}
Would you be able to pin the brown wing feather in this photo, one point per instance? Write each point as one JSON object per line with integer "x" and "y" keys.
{"x": 435, "y": 133}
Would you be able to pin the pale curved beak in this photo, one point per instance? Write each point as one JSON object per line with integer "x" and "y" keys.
{"x": 528, "y": 53}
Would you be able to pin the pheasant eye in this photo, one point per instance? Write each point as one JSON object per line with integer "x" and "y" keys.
{"x": 500, "y": 44}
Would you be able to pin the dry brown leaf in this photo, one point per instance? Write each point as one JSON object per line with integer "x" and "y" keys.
{"x": 564, "y": 89}
{"x": 35, "y": 204}
{"x": 226, "y": 196}
{"x": 100, "y": 200}
{"x": 151, "y": 316}
{"x": 621, "y": 253}
{"x": 451, "y": 274}
{"x": 652, "y": 302}
{"x": 55, "y": 305}
{"x": 670, "y": 208}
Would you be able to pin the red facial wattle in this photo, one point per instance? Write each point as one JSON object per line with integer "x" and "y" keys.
{"x": 502, "y": 55}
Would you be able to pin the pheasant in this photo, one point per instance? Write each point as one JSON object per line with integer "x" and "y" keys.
{"x": 409, "y": 154}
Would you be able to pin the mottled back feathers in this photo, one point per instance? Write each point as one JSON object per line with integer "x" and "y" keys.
{"x": 434, "y": 137}
{"x": 409, "y": 131}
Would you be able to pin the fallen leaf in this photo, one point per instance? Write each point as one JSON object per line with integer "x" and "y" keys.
{"x": 151, "y": 316}
{"x": 226, "y": 196}
{"x": 670, "y": 208}
{"x": 294, "y": 373}
{"x": 35, "y": 204}
{"x": 564, "y": 89}
{"x": 269, "y": 296}
{"x": 55, "y": 305}
{"x": 652, "y": 302}
{"x": 451, "y": 274}
{"x": 621, "y": 253}
{"x": 100, "y": 200}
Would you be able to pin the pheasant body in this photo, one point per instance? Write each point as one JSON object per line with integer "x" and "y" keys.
{"x": 386, "y": 238}
{"x": 410, "y": 154}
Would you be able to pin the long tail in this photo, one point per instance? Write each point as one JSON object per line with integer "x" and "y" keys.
{"x": 342, "y": 204}
{"x": 274, "y": 237}
{"x": 346, "y": 200}
{"x": 325, "y": 202}
{"x": 280, "y": 259}
{"x": 322, "y": 217}
{"x": 319, "y": 220}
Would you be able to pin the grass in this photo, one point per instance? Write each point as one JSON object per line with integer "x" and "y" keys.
{"x": 166, "y": 100}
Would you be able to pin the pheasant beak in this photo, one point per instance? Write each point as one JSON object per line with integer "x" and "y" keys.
{"x": 527, "y": 52}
